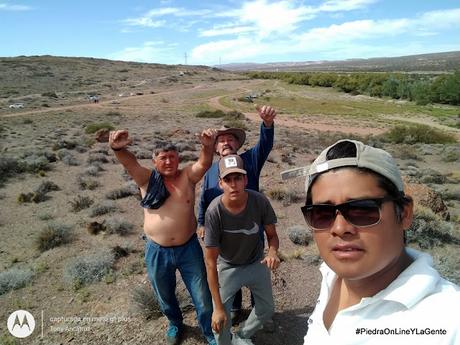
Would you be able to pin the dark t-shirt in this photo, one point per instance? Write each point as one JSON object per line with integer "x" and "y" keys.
{"x": 237, "y": 236}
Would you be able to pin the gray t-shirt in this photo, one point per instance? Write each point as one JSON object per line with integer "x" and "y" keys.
{"x": 237, "y": 236}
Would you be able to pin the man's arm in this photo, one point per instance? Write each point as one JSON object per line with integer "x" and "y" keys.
{"x": 219, "y": 318}
{"x": 259, "y": 153}
{"x": 197, "y": 170}
{"x": 118, "y": 141}
{"x": 271, "y": 259}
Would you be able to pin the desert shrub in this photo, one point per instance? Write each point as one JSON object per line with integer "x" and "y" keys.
{"x": 234, "y": 115}
{"x": 118, "y": 226}
{"x": 35, "y": 163}
{"x": 103, "y": 208}
{"x": 9, "y": 167}
{"x": 45, "y": 216}
{"x": 80, "y": 203}
{"x": 210, "y": 114}
{"x": 53, "y": 235}
{"x": 94, "y": 228}
{"x": 94, "y": 127}
{"x": 145, "y": 303}
{"x": 285, "y": 196}
{"x": 418, "y": 134}
{"x": 87, "y": 183}
{"x": 299, "y": 235}
{"x": 448, "y": 265}
{"x": 14, "y": 279}
{"x": 50, "y": 94}
{"x": 429, "y": 230}
{"x": 46, "y": 187}
{"x": 65, "y": 144}
{"x": 27, "y": 121}
{"x": 97, "y": 157}
{"x": 451, "y": 156}
{"x": 128, "y": 190}
{"x": 92, "y": 170}
{"x": 67, "y": 157}
{"x": 235, "y": 123}
{"x": 90, "y": 268}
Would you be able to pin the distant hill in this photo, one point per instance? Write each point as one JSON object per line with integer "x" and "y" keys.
{"x": 28, "y": 75}
{"x": 436, "y": 62}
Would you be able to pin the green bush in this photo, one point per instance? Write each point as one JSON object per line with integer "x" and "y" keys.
{"x": 53, "y": 235}
{"x": 14, "y": 279}
{"x": 104, "y": 208}
{"x": 118, "y": 226}
{"x": 80, "y": 203}
{"x": 428, "y": 230}
{"x": 210, "y": 114}
{"x": 86, "y": 269}
{"x": 418, "y": 134}
{"x": 94, "y": 127}
{"x": 145, "y": 303}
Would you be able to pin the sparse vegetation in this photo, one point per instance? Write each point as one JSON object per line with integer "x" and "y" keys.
{"x": 103, "y": 208}
{"x": 53, "y": 235}
{"x": 86, "y": 183}
{"x": 145, "y": 303}
{"x": 89, "y": 268}
{"x": 14, "y": 279}
{"x": 80, "y": 203}
{"x": 428, "y": 230}
{"x": 94, "y": 127}
{"x": 118, "y": 226}
{"x": 128, "y": 190}
{"x": 210, "y": 114}
{"x": 418, "y": 134}
{"x": 300, "y": 235}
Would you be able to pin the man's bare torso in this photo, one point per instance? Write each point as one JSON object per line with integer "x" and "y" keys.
{"x": 174, "y": 222}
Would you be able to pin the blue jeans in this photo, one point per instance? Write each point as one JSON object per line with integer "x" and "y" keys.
{"x": 162, "y": 263}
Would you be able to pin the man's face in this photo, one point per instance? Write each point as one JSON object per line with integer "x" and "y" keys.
{"x": 226, "y": 144}
{"x": 233, "y": 185}
{"x": 365, "y": 254}
{"x": 167, "y": 163}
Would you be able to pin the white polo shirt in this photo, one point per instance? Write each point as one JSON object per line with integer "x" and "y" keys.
{"x": 418, "y": 307}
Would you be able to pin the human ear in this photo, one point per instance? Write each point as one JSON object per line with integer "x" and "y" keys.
{"x": 408, "y": 213}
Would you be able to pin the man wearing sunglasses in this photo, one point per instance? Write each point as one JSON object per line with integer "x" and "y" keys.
{"x": 374, "y": 289}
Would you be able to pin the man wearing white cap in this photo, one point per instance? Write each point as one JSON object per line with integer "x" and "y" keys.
{"x": 234, "y": 252}
{"x": 374, "y": 289}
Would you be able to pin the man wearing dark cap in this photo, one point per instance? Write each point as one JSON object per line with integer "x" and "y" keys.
{"x": 234, "y": 252}
{"x": 375, "y": 290}
{"x": 229, "y": 141}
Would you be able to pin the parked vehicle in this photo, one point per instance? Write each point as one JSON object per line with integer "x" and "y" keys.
{"x": 16, "y": 106}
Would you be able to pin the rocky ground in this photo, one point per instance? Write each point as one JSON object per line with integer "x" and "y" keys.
{"x": 105, "y": 312}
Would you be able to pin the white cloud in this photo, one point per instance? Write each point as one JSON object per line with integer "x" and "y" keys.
{"x": 228, "y": 50}
{"x": 344, "y": 5}
{"x": 8, "y": 7}
{"x": 360, "y": 38}
{"x": 150, "y": 51}
{"x": 227, "y": 31}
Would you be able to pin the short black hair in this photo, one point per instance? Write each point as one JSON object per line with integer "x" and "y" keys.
{"x": 164, "y": 147}
{"x": 346, "y": 149}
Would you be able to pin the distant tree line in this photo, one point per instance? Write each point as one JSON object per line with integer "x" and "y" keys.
{"x": 421, "y": 88}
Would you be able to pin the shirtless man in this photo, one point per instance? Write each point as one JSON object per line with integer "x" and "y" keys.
{"x": 169, "y": 223}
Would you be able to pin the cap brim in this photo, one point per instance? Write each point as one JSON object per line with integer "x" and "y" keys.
{"x": 232, "y": 171}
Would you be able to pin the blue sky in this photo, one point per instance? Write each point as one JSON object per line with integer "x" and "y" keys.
{"x": 228, "y": 31}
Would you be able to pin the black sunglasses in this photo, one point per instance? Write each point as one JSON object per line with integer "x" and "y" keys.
{"x": 360, "y": 213}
